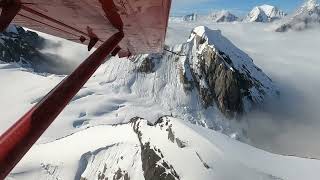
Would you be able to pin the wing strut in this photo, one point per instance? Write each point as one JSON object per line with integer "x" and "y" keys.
{"x": 19, "y": 138}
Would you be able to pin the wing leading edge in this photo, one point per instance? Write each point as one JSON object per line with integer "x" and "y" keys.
{"x": 92, "y": 22}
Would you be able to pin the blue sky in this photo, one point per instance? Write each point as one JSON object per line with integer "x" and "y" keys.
{"x": 239, "y": 7}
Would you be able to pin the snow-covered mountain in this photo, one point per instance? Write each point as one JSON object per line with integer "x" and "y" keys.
{"x": 224, "y": 73}
{"x": 154, "y": 116}
{"x": 264, "y": 13}
{"x": 222, "y": 16}
{"x": 307, "y": 16}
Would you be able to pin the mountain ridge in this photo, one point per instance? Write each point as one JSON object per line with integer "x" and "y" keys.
{"x": 216, "y": 16}
{"x": 306, "y": 17}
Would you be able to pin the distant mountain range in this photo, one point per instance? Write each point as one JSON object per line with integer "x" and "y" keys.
{"x": 218, "y": 16}
{"x": 308, "y": 15}
{"x": 264, "y": 13}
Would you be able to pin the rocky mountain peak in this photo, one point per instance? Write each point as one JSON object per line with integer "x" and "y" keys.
{"x": 225, "y": 74}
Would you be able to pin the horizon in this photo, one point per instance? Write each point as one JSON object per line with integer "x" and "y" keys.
{"x": 184, "y": 7}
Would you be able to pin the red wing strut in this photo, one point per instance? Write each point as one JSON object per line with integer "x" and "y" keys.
{"x": 122, "y": 27}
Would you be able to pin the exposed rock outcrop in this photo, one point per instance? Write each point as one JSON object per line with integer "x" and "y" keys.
{"x": 19, "y": 45}
{"x": 147, "y": 65}
{"x": 153, "y": 164}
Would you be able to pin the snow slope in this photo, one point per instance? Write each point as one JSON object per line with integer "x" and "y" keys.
{"x": 190, "y": 152}
{"x": 21, "y": 88}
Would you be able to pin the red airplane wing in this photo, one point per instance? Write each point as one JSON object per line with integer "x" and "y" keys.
{"x": 136, "y": 26}
{"x": 143, "y": 22}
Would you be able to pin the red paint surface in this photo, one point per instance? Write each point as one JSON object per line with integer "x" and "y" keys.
{"x": 143, "y": 22}
{"x": 16, "y": 141}
{"x": 8, "y": 11}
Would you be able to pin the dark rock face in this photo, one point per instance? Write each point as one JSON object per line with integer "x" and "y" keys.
{"x": 224, "y": 86}
{"x": 152, "y": 171}
{"x": 170, "y": 134}
{"x": 147, "y": 65}
{"x": 119, "y": 174}
{"x": 204, "y": 163}
{"x": 180, "y": 143}
{"x": 151, "y": 158}
{"x": 20, "y": 46}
